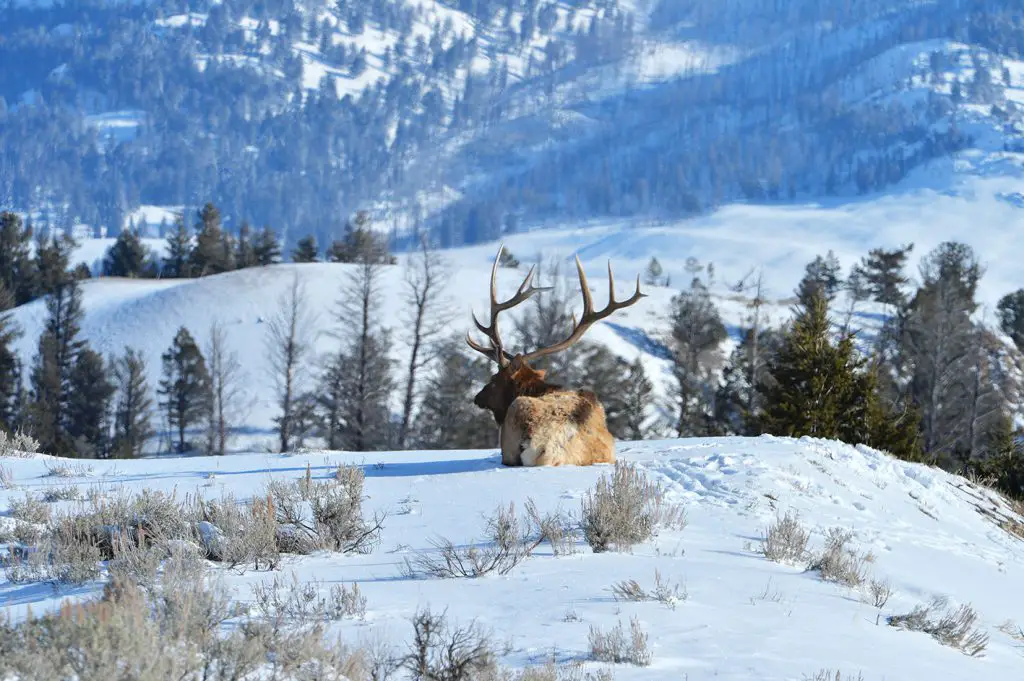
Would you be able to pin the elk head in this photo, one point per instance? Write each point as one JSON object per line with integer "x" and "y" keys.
{"x": 515, "y": 376}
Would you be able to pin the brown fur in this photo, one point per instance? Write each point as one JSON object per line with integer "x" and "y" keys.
{"x": 541, "y": 424}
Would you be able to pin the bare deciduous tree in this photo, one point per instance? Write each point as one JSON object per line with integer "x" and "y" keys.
{"x": 226, "y": 391}
{"x": 288, "y": 348}
{"x": 427, "y": 318}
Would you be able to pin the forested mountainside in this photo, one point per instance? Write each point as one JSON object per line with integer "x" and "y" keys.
{"x": 475, "y": 117}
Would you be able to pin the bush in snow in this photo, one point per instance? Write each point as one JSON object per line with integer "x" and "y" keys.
{"x": 950, "y": 628}
{"x": 838, "y": 562}
{"x": 19, "y": 444}
{"x": 786, "y": 540}
{"x": 614, "y": 646}
{"x": 626, "y": 509}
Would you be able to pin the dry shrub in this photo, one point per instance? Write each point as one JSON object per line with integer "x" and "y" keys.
{"x": 30, "y": 509}
{"x": 955, "y": 628}
{"x": 18, "y": 445}
{"x": 440, "y": 652}
{"x": 839, "y": 563}
{"x": 879, "y": 593}
{"x": 68, "y": 469}
{"x": 510, "y": 540}
{"x": 833, "y": 675}
{"x": 303, "y": 602}
{"x": 626, "y": 509}
{"x": 6, "y": 478}
{"x": 663, "y": 592}
{"x": 785, "y": 541}
{"x": 239, "y": 535}
{"x": 614, "y": 646}
{"x": 56, "y": 493}
{"x": 553, "y": 671}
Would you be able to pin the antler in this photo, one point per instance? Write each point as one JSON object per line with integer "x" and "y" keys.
{"x": 589, "y": 316}
{"x": 496, "y": 352}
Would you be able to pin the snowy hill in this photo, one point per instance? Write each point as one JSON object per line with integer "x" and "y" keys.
{"x": 740, "y": 616}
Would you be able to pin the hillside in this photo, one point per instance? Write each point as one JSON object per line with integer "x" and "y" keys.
{"x": 477, "y": 118}
{"x": 740, "y": 616}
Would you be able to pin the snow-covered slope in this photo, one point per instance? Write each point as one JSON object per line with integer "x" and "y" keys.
{"x": 743, "y": 618}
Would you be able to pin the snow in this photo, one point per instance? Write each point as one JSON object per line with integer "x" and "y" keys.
{"x": 744, "y": 617}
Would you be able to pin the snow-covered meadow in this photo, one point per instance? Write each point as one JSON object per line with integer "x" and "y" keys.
{"x": 740, "y": 616}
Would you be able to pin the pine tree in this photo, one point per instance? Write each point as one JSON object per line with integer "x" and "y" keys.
{"x": 606, "y": 375}
{"x": 52, "y": 263}
{"x": 127, "y": 257}
{"x": 697, "y": 331}
{"x": 361, "y": 244}
{"x": 306, "y": 250}
{"x": 739, "y": 401}
{"x": 213, "y": 253}
{"x": 266, "y": 248}
{"x": 447, "y": 418}
{"x": 51, "y": 372}
{"x": 653, "y": 275}
{"x": 178, "y": 262}
{"x": 185, "y": 386}
{"x": 883, "y": 272}
{"x": 245, "y": 253}
{"x": 10, "y": 365}
{"x": 815, "y": 388}
{"x": 637, "y": 398}
{"x": 88, "y": 412}
{"x": 1011, "y": 317}
{"x": 822, "y": 275}
{"x": 17, "y": 269}
{"x": 133, "y": 407}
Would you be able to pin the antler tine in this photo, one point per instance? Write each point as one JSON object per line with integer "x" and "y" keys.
{"x": 589, "y": 316}
{"x": 525, "y": 290}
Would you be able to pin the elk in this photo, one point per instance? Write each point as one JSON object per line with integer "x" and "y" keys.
{"x": 540, "y": 423}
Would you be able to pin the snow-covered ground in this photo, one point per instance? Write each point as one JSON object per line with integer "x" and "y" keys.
{"x": 744, "y": 617}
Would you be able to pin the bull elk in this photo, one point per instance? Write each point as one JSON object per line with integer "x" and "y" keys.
{"x": 540, "y": 423}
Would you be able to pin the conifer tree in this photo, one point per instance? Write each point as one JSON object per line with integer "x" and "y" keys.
{"x": 213, "y": 253}
{"x": 178, "y": 262}
{"x": 10, "y": 365}
{"x": 17, "y": 269}
{"x": 607, "y": 375}
{"x": 360, "y": 243}
{"x": 1011, "y": 317}
{"x": 127, "y": 257}
{"x": 185, "y": 387}
{"x": 882, "y": 270}
{"x": 88, "y": 413}
{"x": 51, "y": 372}
{"x": 637, "y": 397}
{"x": 306, "y": 250}
{"x": 245, "y": 252}
{"x": 447, "y": 418}
{"x": 653, "y": 275}
{"x": 739, "y": 401}
{"x": 133, "y": 406}
{"x": 52, "y": 263}
{"x": 266, "y": 248}
{"x": 822, "y": 275}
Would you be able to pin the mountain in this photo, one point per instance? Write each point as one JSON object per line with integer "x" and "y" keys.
{"x": 918, "y": 535}
{"x": 475, "y": 118}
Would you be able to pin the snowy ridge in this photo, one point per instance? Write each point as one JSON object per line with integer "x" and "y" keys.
{"x": 744, "y": 617}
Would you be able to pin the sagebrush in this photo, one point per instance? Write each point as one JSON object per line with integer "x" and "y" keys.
{"x": 625, "y": 509}
{"x": 953, "y": 628}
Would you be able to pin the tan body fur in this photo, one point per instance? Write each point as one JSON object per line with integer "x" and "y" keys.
{"x": 560, "y": 428}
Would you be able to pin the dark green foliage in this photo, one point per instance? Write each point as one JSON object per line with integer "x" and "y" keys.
{"x": 306, "y": 250}
{"x": 697, "y": 332}
{"x": 447, "y": 417}
{"x": 361, "y": 244}
{"x": 266, "y": 248}
{"x": 1006, "y": 466}
{"x": 52, "y": 368}
{"x": 639, "y": 393}
{"x": 214, "y": 250}
{"x": 17, "y": 269}
{"x": 822, "y": 275}
{"x": 10, "y": 364}
{"x": 739, "y": 401}
{"x": 1011, "y": 316}
{"x": 127, "y": 257}
{"x": 133, "y": 406}
{"x": 185, "y": 387}
{"x": 507, "y": 259}
{"x": 245, "y": 253}
{"x": 882, "y": 272}
{"x": 607, "y": 375}
{"x": 53, "y": 257}
{"x": 177, "y": 263}
{"x": 88, "y": 412}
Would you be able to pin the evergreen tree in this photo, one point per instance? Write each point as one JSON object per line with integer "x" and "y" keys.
{"x": 361, "y": 244}
{"x": 607, "y": 376}
{"x": 127, "y": 257}
{"x": 697, "y": 331}
{"x": 213, "y": 253}
{"x": 882, "y": 271}
{"x": 133, "y": 407}
{"x": 245, "y": 253}
{"x": 178, "y": 263}
{"x": 10, "y": 365}
{"x": 52, "y": 263}
{"x": 266, "y": 248}
{"x": 739, "y": 401}
{"x": 17, "y": 269}
{"x": 653, "y": 275}
{"x": 822, "y": 275}
{"x": 638, "y": 396}
{"x": 545, "y": 320}
{"x": 51, "y": 372}
{"x": 185, "y": 387}
{"x": 1011, "y": 317}
{"x": 306, "y": 250}
{"x": 447, "y": 418}
{"x": 88, "y": 413}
